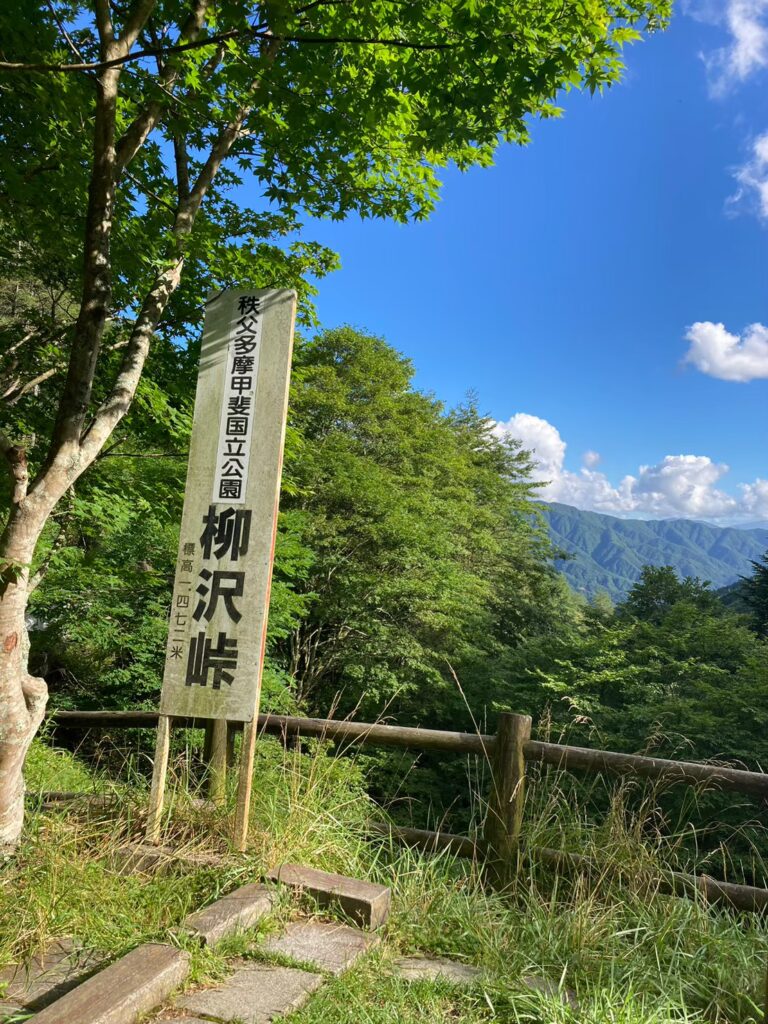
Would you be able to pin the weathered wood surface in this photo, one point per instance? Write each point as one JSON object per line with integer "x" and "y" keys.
{"x": 229, "y": 915}
{"x": 672, "y": 883}
{"x": 689, "y": 772}
{"x": 289, "y": 725}
{"x": 159, "y": 772}
{"x": 215, "y": 757}
{"x": 365, "y": 902}
{"x": 244, "y": 443}
{"x": 122, "y": 992}
{"x": 562, "y": 756}
{"x": 675, "y": 883}
{"x": 504, "y": 819}
{"x": 244, "y": 786}
{"x": 427, "y": 840}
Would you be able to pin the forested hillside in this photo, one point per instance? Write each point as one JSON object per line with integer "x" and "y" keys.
{"x": 607, "y": 553}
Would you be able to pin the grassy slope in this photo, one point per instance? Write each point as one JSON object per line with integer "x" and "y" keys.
{"x": 632, "y": 956}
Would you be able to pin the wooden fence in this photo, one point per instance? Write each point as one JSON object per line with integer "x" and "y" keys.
{"x": 507, "y": 752}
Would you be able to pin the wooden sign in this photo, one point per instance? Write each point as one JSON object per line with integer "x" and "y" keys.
{"x": 218, "y": 625}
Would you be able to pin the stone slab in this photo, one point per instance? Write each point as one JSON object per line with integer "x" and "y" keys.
{"x": 327, "y": 946}
{"x": 423, "y": 968}
{"x": 551, "y": 990}
{"x": 122, "y": 992}
{"x": 364, "y": 902}
{"x": 46, "y": 977}
{"x": 254, "y": 995}
{"x": 231, "y": 914}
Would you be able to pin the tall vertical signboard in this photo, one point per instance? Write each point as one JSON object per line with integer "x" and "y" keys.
{"x": 218, "y": 624}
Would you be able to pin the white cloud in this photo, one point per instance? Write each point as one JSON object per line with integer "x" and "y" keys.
{"x": 718, "y": 353}
{"x": 539, "y": 437}
{"x": 752, "y": 179}
{"x": 680, "y": 486}
{"x": 746, "y": 51}
{"x": 754, "y": 499}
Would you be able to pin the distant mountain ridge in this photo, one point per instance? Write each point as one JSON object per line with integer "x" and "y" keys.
{"x": 609, "y": 553}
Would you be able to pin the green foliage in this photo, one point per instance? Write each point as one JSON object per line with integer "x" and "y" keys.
{"x": 427, "y": 565}
{"x": 754, "y": 593}
{"x": 671, "y": 669}
{"x": 659, "y": 590}
{"x": 332, "y": 128}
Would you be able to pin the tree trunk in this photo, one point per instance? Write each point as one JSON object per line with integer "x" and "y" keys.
{"x": 22, "y": 697}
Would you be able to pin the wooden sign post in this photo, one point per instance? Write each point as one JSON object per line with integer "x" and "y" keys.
{"x": 218, "y": 626}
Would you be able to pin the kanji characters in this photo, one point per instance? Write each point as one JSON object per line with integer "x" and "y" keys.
{"x": 226, "y": 533}
{"x": 224, "y": 586}
{"x": 204, "y": 658}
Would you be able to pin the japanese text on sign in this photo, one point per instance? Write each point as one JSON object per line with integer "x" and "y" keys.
{"x": 236, "y": 427}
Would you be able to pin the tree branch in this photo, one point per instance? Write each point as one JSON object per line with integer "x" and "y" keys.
{"x": 252, "y": 33}
{"x": 117, "y": 403}
{"x": 62, "y": 28}
{"x": 136, "y": 22}
{"x": 16, "y": 458}
{"x": 12, "y": 397}
{"x": 182, "y": 168}
{"x": 104, "y": 22}
{"x": 138, "y": 131}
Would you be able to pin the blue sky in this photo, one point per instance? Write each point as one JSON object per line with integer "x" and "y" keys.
{"x": 560, "y": 285}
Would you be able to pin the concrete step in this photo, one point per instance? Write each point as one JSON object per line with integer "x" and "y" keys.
{"x": 254, "y": 994}
{"x": 364, "y": 902}
{"x": 231, "y": 914}
{"x": 327, "y": 946}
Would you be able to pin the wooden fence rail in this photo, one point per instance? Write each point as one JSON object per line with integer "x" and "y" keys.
{"x": 507, "y": 753}
{"x": 568, "y": 758}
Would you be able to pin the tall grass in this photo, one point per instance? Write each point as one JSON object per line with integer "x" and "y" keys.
{"x": 629, "y": 954}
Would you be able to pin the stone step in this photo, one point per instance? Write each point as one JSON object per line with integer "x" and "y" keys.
{"x": 364, "y": 902}
{"x": 231, "y": 914}
{"x": 425, "y": 968}
{"x": 122, "y": 992}
{"x": 254, "y": 994}
{"x": 327, "y": 946}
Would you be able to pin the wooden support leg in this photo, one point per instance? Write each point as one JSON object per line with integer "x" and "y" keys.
{"x": 507, "y": 799}
{"x": 217, "y": 762}
{"x": 244, "y": 783}
{"x": 159, "y": 773}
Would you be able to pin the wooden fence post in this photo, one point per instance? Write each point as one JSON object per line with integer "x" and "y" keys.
{"x": 507, "y": 798}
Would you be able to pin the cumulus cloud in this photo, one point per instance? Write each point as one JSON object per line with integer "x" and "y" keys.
{"x": 752, "y": 179}
{"x": 754, "y": 499}
{"x": 718, "y": 353}
{"x": 680, "y": 486}
{"x": 746, "y": 52}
